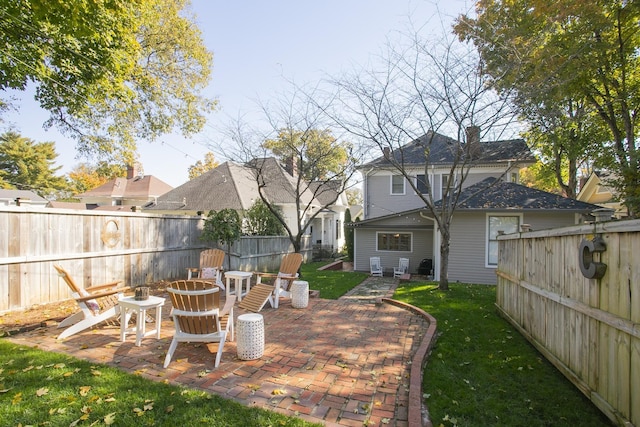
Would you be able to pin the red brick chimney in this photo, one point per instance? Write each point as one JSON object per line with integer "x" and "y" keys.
{"x": 131, "y": 172}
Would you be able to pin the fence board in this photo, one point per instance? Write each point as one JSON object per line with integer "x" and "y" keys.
{"x": 590, "y": 329}
{"x": 98, "y": 247}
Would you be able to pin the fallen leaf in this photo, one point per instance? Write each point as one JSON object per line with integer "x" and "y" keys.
{"x": 42, "y": 391}
{"x": 84, "y": 390}
{"x": 110, "y": 418}
{"x": 168, "y": 409}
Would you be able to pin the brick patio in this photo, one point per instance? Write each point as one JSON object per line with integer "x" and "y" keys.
{"x": 347, "y": 362}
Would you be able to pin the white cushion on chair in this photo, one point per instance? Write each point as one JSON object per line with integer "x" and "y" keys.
{"x": 209, "y": 273}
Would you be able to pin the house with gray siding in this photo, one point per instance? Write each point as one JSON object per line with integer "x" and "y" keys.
{"x": 398, "y": 224}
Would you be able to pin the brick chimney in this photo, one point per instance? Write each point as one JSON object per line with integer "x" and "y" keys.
{"x": 291, "y": 166}
{"x": 131, "y": 172}
{"x": 473, "y": 134}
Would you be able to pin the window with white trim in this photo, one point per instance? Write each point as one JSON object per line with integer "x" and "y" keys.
{"x": 397, "y": 184}
{"x": 496, "y": 225}
{"x": 399, "y": 242}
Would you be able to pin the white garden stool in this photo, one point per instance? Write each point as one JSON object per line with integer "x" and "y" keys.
{"x": 299, "y": 294}
{"x": 250, "y": 336}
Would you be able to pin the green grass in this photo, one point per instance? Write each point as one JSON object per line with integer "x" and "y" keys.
{"x": 481, "y": 372}
{"x": 332, "y": 284}
{"x": 50, "y": 389}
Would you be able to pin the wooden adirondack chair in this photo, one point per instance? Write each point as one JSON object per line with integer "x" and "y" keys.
{"x": 287, "y": 273}
{"x": 197, "y": 316}
{"x": 97, "y": 304}
{"x": 211, "y": 261}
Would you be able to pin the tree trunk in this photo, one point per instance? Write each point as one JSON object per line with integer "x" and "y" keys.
{"x": 443, "y": 285}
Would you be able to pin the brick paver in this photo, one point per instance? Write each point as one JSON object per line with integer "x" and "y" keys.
{"x": 340, "y": 362}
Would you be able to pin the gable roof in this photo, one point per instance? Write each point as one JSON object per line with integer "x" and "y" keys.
{"x": 137, "y": 187}
{"x": 492, "y": 194}
{"x": 228, "y": 186}
{"x": 232, "y": 186}
{"x": 441, "y": 151}
{"x": 280, "y": 187}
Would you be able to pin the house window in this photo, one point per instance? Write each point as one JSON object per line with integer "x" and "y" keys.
{"x": 495, "y": 225}
{"x": 397, "y": 184}
{"x": 399, "y": 242}
{"x": 338, "y": 228}
{"x": 421, "y": 184}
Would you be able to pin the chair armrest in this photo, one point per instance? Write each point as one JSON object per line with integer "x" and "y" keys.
{"x": 274, "y": 275}
{"x": 99, "y": 295}
{"x": 104, "y": 286}
{"x": 228, "y": 305}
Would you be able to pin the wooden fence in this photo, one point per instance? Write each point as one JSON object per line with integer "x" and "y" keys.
{"x": 100, "y": 246}
{"x": 589, "y": 328}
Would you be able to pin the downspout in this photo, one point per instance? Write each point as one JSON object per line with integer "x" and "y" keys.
{"x": 366, "y": 194}
{"x": 436, "y": 247}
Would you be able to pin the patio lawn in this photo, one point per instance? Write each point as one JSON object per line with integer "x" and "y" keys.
{"x": 481, "y": 372}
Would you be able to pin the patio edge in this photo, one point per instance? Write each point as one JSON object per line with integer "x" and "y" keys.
{"x": 418, "y": 412}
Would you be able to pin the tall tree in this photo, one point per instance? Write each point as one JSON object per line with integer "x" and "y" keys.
{"x": 108, "y": 72}
{"x": 28, "y": 165}
{"x": 312, "y": 153}
{"x": 570, "y": 50}
{"x": 202, "y": 166}
{"x": 423, "y": 86}
{"x": 320, "y": 165}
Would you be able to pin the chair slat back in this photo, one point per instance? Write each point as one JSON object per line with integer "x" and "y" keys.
{"x": 68, "y": 280}
{"x": 404, "y": 264}
{"x": 290, "y": 264}
{"x": 374, "y": 263}
{"x": 212, "y": 258}
{"x": 196, "y": 296}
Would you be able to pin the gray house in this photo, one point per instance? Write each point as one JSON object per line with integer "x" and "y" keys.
{"x": 397, "y": 224}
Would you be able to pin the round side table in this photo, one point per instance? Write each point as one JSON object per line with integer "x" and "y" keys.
{"x": 250, "y": 336}
{"x": 299, "y": 294}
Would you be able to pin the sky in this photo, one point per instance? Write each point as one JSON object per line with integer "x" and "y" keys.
{"x": 258, "y": 47}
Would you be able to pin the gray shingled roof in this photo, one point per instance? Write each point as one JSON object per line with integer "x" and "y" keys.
{"x": 504, "y": 196}
{"x": 492, "y": 193}
{"x": 231, "y": 186}
{"x": 228, "y": 186}
{"x": 442, "y": 149}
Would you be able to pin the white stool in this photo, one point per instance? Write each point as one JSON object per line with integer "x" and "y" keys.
{"x": 299, "y": 294}
{"x": 250, "y": 336}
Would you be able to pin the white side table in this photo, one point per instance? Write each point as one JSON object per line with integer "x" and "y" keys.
{"x": 250, "y": 336}
{"x": 238, "y": 277}
{"x": 129, "y": 305}
{"x": 299, "y": 294}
